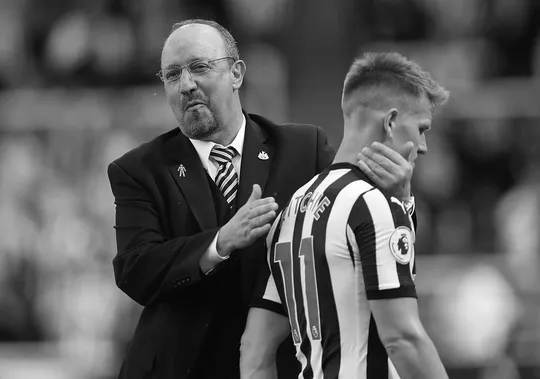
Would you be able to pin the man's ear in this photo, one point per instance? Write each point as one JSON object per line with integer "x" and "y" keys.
{"x": 389, "y": 122}
{"x": 238, "y": 70}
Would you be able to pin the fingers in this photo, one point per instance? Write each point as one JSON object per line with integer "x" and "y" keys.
{"x": 256, "y": 193}
{"x": 253, "y": 204}
{"x": 260, "y": 221}
{"x": 370, "y": 173}
{"x": 378, "y": 149}
{"x": 408, "y": 148}
{"x": 261, "y": 231}
{"x": 266, "y": 218}
{"x": 377, "y": 161}
{"x": 262, "y": 207}
{"x": 411, "y": 152}
{"x": 262, "y": 214}
{"x": 251, "y": 221}
{"x": 381, "y": 167}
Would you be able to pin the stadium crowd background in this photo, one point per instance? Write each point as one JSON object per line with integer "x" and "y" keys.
{"x": 78, "y": 89}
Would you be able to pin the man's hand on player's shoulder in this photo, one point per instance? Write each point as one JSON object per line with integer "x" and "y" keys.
{"x": 252, "y": 221}
{"x": 388, "y": 169}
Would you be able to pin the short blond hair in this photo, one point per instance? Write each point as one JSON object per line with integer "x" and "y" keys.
{"x": 391, "y": 71}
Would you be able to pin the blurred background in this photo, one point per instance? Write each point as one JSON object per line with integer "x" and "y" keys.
{"x": 78, "y": 89}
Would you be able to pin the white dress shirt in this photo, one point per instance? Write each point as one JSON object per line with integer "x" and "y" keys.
{"x": 211, "y": 258}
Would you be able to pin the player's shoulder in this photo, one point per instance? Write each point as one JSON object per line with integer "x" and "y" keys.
{"x": 383, "y": 207}
{"x": 363, "y": 184}
{"x": 148, "y": 151}
{"x": 378, "y": 195}
{"x": 347, "y": 175}
{"x": 357, "y": 187}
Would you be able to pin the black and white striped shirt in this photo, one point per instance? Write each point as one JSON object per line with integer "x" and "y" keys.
{"x": 337, "y": 244}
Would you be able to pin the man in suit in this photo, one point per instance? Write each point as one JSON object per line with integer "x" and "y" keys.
{"x": 193, "y": 204}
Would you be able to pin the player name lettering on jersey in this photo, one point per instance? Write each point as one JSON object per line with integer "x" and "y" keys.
{"x": 339, "y": 243}
{"x": 312, "y": 201}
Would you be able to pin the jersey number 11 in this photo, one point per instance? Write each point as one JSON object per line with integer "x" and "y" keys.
{"x": 305, "y": 286}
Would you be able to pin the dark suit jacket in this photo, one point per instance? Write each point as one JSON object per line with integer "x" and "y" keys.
{"x": 192, "y": 323}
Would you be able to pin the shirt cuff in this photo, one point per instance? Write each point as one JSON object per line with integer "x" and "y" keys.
{"x": 211, "y": 258}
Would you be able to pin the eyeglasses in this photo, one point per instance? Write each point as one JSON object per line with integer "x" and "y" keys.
{"x": 198, "y": 67}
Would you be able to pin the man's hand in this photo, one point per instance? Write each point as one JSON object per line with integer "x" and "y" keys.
{"x": 388, "y": 169}
{"x": 251, "y": 221}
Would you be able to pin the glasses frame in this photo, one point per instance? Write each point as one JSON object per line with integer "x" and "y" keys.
{"x": 181, "y": 68}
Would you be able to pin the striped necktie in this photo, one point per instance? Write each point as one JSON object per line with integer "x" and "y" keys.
{"x": 226, "y": 177}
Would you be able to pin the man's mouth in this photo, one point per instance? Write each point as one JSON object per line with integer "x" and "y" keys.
{"x": 193, "y": 104}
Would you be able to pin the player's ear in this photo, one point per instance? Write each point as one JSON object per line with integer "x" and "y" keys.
{"x": 238, "y": 70}
{"x": 389, "y": 122}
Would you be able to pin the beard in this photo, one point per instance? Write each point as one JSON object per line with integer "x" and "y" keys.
{"x": 199, "y": 123}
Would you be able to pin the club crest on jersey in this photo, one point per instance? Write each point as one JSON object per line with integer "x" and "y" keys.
{"x": 401, "y": 244}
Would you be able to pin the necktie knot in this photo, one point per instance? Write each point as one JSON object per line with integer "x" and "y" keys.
{"x": 222, "y": 155}
{"x": 226, "y": 177}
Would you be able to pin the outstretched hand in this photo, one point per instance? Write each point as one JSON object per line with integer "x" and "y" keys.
{"x": 252, "y": 221}
{"x": 388, "y": 169}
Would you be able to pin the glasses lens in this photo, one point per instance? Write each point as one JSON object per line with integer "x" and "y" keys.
{"x": 198, "y": 68}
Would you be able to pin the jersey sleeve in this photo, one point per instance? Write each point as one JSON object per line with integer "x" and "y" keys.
{"x": 266, "y": 294}
{"x": 383, "y": 242}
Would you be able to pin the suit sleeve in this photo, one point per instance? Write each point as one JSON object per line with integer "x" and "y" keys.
{"x": 149, "y": 267}
{"x": 325, "y": 152}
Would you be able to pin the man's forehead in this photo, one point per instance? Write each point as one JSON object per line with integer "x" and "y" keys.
{"x": 193, "y": 41}
{"x": 419, "y": 107}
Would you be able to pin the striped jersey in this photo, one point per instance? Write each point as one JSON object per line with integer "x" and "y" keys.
{"x": 338, "y": 243}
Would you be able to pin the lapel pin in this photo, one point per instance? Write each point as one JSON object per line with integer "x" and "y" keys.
{"x": 263, "y": 156}
{"x": 182, "y": 171}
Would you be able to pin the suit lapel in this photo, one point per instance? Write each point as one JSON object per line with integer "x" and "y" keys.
{"x": 257, "y": 156}
{"x": 190, "y": 176}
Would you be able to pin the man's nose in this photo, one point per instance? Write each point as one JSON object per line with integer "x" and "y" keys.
{"x": 187, "y": 84}
{"x": 422, "y": 150}
{"x": 422, "y": 146}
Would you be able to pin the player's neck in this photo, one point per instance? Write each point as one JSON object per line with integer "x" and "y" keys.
{"x": 350, "y": 147}
{"x": 354, "y": 140}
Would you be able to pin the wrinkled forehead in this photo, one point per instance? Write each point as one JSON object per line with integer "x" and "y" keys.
{"x": 192, "y": 42}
